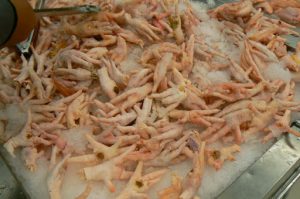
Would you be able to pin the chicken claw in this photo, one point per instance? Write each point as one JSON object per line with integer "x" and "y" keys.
{"x": 143, "y": 27}
{"x": 30, "y": 156}
{"x": 109, "y": 170}
{"x": 161, "y": 70}
{"x": 216, "y": 158}
{"x": 280, "y": 126}
{"x": 22, "y": 139}
{"x": 55, "y": 179}
{"x": 108, "y": 85}
{"x": 290, "y": 15}
{"x": 138, "y": 184}
{"x": 171, "y": 98}
{"x": 120, "y": 52}
{"x": 172, "y": 192}
{"x": 192, "y": 181}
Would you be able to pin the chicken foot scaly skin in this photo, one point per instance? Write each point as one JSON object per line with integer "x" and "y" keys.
{"x": 78, "y": 74}
{"x": 143, "y": 113}
{"x": 170, "y": 131}
{"x": 121, "y": 119}
{"x": 262, "y": 120}
{"x": 232, "y": 123}
{"x": 85, "y": 194}
{"x": 107, "y": 84}
{"x": 138, "y": 184}
{"x": 24, "y": 73}
{"x": 133, "y": 96}
{"x": 171, "y": 98}
{"x": 86, "y": 159}
{"x": 172, "y": 192}
{"x": 161, "y": 70}
{"x": 187, "y": 61}
{"x": 166, "y": 156}
{"x": 199, "y": 117}
{"x": 216, "y": 158}
{"x": 104, "y": 152}
{"x": 115, "y": 74}
{"x": 73, "y": 56}
{"x": 109, "y": 170}
{"x": 41, "y": 59}
{"x": 130, "y": 37}
{"x": 52, "y": 138}
{"x": 119, "y": 53}
{"x": 22, "y": 139}
{"x": 37, "y": 83}
{"x": 290, "y": 15}
{"x": 55, "y": 179}
{"x": 259, "y": 104}
{"x": 230, "y": 11}
{"x": 143, "y": 27}
{"x": 178, "y": 33}
{"x": 73, "y": 111}
{"x": 281, "y": 125}
{"x": 88, "y": 29}
{"x": 139, "y": 78}
{"x": 97, "y": 52}
{"x": 156, "y": 51}
{"x": 30, "y": 156}
{"x": 192, "y": 181}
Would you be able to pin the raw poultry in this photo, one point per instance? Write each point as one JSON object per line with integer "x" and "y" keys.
{"x": 146, "y": 84}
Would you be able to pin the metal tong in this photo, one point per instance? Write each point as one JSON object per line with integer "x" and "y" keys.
{"x": 47, "y": 12}
{"x": 24, "y": 47}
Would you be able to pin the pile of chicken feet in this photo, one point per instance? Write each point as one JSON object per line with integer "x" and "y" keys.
{"x": 158, "y": 114}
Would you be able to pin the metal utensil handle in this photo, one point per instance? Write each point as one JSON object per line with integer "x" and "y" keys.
{"x": 67, "y": 10}
{"x": 24, "y": 47}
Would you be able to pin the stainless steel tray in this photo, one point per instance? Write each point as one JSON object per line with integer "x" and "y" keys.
{"x": 10, "y": 188}
{"x": 272, "y": 176}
